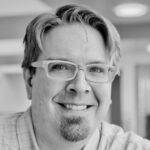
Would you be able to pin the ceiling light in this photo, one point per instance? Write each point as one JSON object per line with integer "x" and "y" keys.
{"x": 130, "y": 10}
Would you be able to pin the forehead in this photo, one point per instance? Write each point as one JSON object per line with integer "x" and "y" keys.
{"x": 73, "y": 41}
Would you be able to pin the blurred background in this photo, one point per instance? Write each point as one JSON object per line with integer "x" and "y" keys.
{"x": 130, "y": 92}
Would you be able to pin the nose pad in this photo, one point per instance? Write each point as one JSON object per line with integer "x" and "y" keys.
{"x": 78, "y": 84}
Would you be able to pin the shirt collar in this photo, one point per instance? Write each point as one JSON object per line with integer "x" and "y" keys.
{"x": 93, "y": 143}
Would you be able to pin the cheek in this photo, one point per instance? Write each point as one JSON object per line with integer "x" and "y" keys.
{"x": 45, "y": 89}
{"x": 102, "y": 92}
{"x": 103, "y": 96}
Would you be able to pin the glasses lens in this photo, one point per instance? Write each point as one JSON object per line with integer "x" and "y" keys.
{"x": 97, "y": 73}
{"x": 61, "y": 70}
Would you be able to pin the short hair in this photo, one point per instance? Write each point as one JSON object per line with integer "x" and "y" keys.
{"x": 68, "y": 14}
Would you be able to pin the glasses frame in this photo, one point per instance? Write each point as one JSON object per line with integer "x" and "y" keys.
{"x": 44, "y": 64}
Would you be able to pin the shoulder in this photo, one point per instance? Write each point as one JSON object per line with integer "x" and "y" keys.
{"x": 116, "y": 138}
{"x": 8, "y": 121}
{"x": 8, "y": 131}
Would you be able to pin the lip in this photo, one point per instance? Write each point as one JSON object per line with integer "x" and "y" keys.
{"x": 74, "y": 107}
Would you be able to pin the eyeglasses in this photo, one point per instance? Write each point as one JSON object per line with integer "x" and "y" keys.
{"x": 65, "y": 70}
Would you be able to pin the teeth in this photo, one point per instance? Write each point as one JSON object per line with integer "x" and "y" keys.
{"x": 75, "y": 107}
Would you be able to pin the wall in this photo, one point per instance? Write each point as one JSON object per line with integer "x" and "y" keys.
{"x": 132, "y": 55}
{"x": 12, "y": 93}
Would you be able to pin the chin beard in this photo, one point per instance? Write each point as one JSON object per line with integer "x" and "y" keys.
{"x": 74, "y": 129}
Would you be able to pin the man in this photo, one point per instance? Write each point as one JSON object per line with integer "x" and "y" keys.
{"x": 71, "y": 58}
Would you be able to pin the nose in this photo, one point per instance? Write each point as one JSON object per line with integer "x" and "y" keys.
{"x": 78, "y": 84}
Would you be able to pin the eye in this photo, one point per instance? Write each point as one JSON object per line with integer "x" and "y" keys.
{"x": 97, "y": 69}
{"x": 111, "y": 69}
{"x": 58, "y": 67}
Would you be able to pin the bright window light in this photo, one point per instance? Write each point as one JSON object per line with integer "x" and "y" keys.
{"x": 10, "y": 69}
{"x": 10, "y": 47}
{"x": 130, "y": 10}
{"x": 148, "y": 48}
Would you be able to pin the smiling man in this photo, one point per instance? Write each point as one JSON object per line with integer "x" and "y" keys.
{"x": 68, "y": 95}
{"x": 71, "y": 58}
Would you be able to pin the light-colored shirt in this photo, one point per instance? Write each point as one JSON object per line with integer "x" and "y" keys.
{"x": 17, "y": 133}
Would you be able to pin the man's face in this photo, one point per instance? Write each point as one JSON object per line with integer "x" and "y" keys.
{"x": 60, "y": 107}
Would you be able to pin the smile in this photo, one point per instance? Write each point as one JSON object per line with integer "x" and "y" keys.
{"x": 74, "y": 107}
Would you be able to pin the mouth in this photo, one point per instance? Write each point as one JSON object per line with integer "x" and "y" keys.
{"x": 75, "y": 107}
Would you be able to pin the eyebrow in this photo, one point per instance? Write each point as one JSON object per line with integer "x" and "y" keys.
{"x": 97, "y": 62}
{"x": 64, "y": 59}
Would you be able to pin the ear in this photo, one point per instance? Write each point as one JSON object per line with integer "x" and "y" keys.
{"x": 27, "y": 78}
